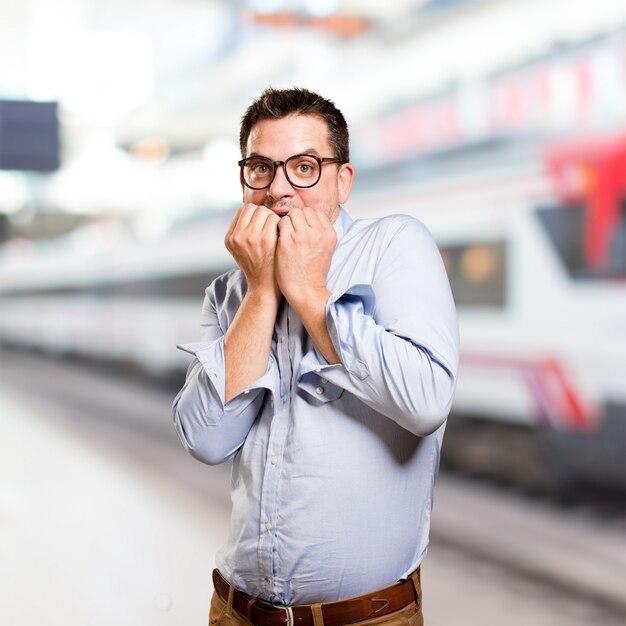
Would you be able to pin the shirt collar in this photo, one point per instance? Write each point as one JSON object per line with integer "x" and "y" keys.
{"x": 342, "y": 223}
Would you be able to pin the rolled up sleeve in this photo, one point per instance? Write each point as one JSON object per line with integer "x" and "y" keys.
{"x": 211, "y": 429}
{"x": 397, "y": 338}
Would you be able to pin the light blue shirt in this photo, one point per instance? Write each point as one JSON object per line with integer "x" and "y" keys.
{"x": 334, "y": 465}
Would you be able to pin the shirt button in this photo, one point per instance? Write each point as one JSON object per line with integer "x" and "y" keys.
{"x": 268, "y": 525}
{"x": 274, "y": 460}
{"x": 268, "y": 580}
{"x": 245, "y": 391}
{"x": 323, "y": 380}
{"x": 319, "y": 390}
{"x": 282, "y": 338}
{"x": 318, "y": 370}
{"x": 285, "y": 398}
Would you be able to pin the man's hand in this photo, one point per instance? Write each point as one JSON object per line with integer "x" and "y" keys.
{"x": 251, "y": 239}
{"x": 304, "y": 252}
{"x": 303, "y": 255}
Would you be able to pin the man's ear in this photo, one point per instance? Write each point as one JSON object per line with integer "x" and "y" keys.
{"x": 345, "y": 176}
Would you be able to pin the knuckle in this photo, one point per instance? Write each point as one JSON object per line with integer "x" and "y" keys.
{"x": 237, "y": 240}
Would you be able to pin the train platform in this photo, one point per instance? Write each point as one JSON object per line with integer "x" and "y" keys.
{"x": 105, "y": 521}
{"x": 539, "y": 539}
{"x": 89, "y": 538}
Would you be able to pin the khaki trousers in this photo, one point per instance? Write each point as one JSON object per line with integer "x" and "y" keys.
{"x": 221, "y": 613}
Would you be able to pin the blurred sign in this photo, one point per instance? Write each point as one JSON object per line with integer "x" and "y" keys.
{"x": 29, "y": 136}
{"x": 342, "y": 25}
{"x": 576, "y": 90}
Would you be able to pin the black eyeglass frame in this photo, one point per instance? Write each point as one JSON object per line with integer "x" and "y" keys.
{"x": 275, "y": 164}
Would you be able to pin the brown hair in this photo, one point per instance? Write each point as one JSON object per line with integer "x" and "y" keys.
{"x": 274, "y": 104}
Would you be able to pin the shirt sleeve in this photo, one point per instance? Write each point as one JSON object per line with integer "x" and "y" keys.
{"x": 397, "y": 338}
{"x": 210, "y": 429}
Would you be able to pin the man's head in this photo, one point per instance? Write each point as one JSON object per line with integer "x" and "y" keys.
{"x": 275, "y": 104}
{"x": 284, "y": 123}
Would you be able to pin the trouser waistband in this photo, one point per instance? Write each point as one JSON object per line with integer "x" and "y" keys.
{"x": 356, "y": 609}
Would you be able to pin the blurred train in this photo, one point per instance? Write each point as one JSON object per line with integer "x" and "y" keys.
{"x": 534, "y": 241}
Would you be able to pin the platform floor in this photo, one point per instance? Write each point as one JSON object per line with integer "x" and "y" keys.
{"x": 92, "y": 539}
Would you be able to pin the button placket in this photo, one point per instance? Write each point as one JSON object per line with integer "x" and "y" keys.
{"x": 278, "y": 428}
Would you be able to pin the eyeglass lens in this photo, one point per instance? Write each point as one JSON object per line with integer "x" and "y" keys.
{"x": 301, "y": 171}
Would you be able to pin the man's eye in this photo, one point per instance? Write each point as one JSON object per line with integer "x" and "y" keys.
{"x": 305, "y": 168}
{"x": 260, "y": 168}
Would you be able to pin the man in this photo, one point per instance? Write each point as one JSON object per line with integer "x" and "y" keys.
{"x": 326, "y": 371}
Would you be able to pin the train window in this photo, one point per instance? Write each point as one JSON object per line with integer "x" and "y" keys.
{"x": 477, "y": 273}
{"x": 587, "y": 251}
{"x": 170, "y": 287}
{"x": 182, "y": 286}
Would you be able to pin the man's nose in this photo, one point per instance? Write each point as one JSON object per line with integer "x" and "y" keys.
{"x": 280, "y": 185}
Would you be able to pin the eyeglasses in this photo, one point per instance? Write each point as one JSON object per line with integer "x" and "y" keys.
{"x": 301, "y": 170}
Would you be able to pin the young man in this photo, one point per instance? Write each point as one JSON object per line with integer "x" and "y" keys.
{"x": 326, "y": 369}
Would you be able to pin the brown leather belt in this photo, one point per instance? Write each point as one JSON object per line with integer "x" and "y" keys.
{"x": 349, "y": 611}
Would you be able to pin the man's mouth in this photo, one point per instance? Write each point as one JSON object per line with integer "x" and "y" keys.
{"x": 280, "y": 208}
{"x": 281, "y": 212}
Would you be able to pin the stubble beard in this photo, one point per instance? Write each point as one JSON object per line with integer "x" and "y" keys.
{"x": 282, "y": 208}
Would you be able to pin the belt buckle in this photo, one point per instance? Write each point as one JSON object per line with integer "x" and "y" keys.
{"x": 289, "y": 612}
{"x": 276, "y": 607}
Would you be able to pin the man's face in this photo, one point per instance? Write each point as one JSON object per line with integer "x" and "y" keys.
{"x": 281, "y": 139}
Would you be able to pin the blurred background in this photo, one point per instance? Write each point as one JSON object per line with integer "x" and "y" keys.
{"x": 501, "y": 124}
